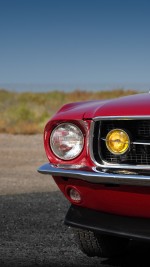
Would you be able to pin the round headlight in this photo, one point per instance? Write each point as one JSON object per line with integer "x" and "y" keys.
{"x": 66, "y": 141}
{"x": 117, "y": 141}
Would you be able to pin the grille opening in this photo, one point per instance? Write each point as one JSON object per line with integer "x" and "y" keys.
{"x": 138, "y": 130}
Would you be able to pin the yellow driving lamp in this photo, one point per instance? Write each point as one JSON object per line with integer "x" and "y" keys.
{"x": 117, "y": 141}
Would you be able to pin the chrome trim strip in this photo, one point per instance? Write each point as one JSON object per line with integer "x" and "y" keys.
{"x": 122, "y": 118}
{"x": 93, "y": 175}
{"x": 106, "y": 164}
{"x": 141, "y": 143}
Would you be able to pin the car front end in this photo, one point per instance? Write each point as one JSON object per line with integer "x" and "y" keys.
{"x": 99, "y": 156}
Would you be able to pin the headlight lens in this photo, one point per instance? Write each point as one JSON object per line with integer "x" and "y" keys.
{"x": 66, "y": 141}
{"x": 117, "y": 141}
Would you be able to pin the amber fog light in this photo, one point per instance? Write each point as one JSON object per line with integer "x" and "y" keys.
{"x": 117, "y": 141}
{"x": 74, "y": 194}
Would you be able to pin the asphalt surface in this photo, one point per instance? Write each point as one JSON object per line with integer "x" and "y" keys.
{"x": 32, "y": 210}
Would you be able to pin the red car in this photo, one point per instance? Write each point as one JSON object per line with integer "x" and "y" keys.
{"x": 99, "y": 156}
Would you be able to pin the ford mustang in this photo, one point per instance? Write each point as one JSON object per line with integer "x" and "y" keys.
{"x": 99, "y": 156}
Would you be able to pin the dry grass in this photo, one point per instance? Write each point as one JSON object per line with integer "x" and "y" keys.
{"x": 27, "y": 112}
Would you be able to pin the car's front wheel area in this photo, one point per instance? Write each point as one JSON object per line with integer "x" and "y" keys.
{"x": 95, "y": 244}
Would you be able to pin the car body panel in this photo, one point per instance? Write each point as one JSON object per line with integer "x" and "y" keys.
{"x": 135, "y": 105}
{"x": 122, "y": 200}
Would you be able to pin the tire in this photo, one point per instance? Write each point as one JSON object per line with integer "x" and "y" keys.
{"x": 94, "y": 244}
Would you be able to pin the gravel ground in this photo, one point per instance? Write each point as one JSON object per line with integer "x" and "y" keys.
{"x": 32, "y": 212}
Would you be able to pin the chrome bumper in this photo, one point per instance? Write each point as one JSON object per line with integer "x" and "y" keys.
{"x": 93, "y": 175}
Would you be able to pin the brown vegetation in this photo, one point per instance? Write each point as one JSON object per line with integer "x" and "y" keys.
{"x": 27, "y": 112}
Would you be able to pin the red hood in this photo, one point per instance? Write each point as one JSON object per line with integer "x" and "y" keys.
{"x": 124, "y": 106}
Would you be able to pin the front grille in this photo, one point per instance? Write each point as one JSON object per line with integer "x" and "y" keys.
{"x": 138, "y": 131}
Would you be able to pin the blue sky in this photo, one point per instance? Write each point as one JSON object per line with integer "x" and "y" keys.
{"x": 75, "y": 42}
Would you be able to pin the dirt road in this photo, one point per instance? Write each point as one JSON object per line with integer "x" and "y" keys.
{"x": 32, "y": 210}
{"x": 20, "y": 156}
